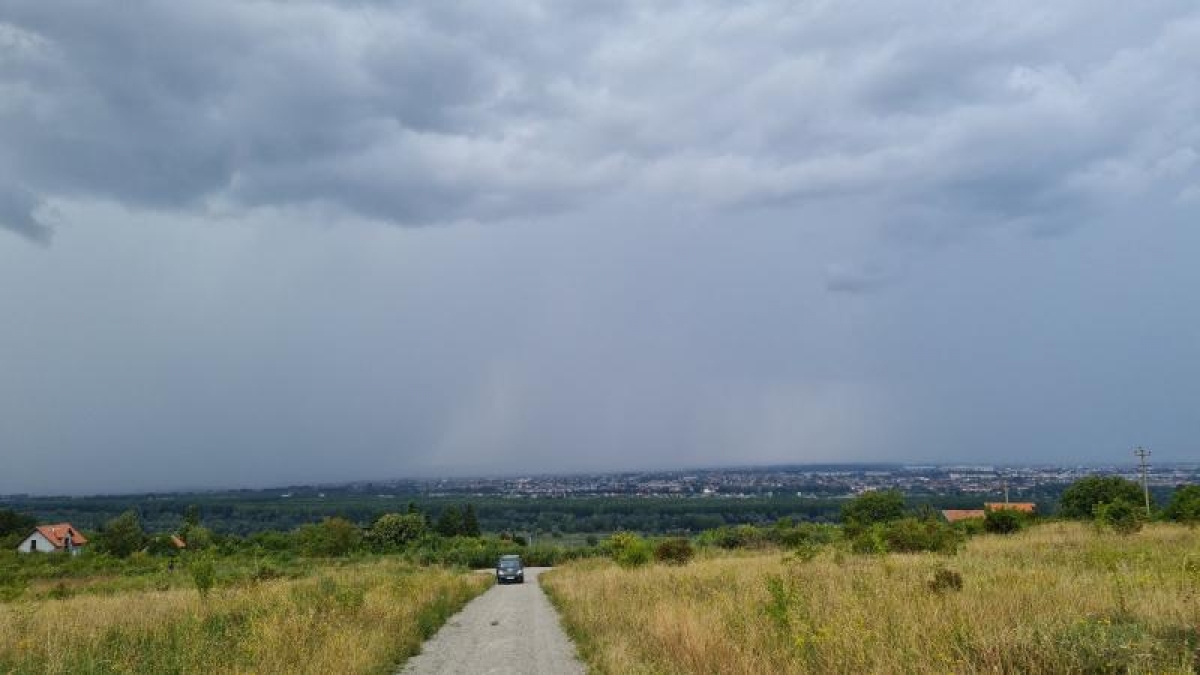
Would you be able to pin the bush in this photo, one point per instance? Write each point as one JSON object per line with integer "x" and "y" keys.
{"x": 1003, "y": 521}
{"x": 1185, "y": 505}
{"x": 971, "y": 526}
{"x": 804, "y": 534}
{"x": 674, "y": 552}
{"x": 628, "y": 549}
{"x": 733, "y": 536}
{"x": 330, "y": 537}
{"x": 944, "y": 580}
{"x": 266, "y": 571}
{"x": 869, "y": 540}
{"x": 394, "y": 531}
{"x": 1120, "y": 516}
{"x": 204, "y": 573}
{"x": 1083, "y": 496}
{"x": 910, "y": 535}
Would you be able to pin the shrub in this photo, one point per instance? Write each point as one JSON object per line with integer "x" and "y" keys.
{"x": 910, "y": 535}
{"x": 330, "y": 537}
{"x": 197, "y": 537}
{"x": 204, "y": 573}
{"x": 628, "y": 549}
{"x": 1003, "y": 521}
{"x": 1084, "y": 495}
{"x": 60, "y": 591}
{"x": 1185, "y": 505}
{"x": 11, "y": 588}
{"x": 945, "y": 579}
{"x": 674, "y": 552}
{"x": 266, "y": 571}
{"x": 804, "y": 534}
{"x": 1120, "y": 516}
{"x": 733, "y": 536}
{"x": 971, "y": 526}
{"x": 393, "y": 531}
{"x": 869, "y": 540}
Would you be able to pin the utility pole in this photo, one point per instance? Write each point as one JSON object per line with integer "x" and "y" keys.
{"x": 1142, "y": 454}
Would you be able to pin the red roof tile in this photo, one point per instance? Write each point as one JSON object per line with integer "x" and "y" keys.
{"x": 57, "y": 535}
{"x": 955, "y": 515}
{"x": 1024, "y": 507}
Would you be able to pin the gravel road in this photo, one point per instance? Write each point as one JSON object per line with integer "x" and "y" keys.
{"x": 509, "y": 629}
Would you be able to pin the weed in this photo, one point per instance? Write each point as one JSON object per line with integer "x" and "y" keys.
{"x": 944, "y": 580}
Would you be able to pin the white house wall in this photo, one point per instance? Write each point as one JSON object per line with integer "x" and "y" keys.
{"x": 43, "y": 544}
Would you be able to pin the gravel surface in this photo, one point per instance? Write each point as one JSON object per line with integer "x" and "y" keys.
{"x": 510, "y": 629}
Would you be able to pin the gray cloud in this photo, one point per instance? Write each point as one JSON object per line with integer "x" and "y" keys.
{"x": 418, "y": 113}
{"x": 843, "y": 278}
{"x": 17, "y": 213}
{"x": 682, "y": 233}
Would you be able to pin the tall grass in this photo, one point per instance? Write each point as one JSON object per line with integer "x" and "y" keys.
{"x": 351, "y": 619}
{"x": 1058, "y": 598}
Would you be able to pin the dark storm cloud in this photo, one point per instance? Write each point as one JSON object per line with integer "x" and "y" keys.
{"x": 17, "y": 208}
{"x": 680, "y": 233}
{"x": 418, "y": 112}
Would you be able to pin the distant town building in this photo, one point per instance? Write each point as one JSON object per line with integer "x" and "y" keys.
{"x": 57, "y": 538}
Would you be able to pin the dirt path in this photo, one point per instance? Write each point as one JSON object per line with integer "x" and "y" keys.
{"x": 509, "y": 629}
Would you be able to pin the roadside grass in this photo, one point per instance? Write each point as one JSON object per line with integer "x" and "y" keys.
{"x": 355, "y": 618}
{"x": 1057, "y": 598}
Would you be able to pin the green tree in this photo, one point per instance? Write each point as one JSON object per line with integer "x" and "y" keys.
{"x": 1185, "y": 505}
{"x": 14, "y": 523}
{"x": 123, "y": 535}
{"x": 470, "y": 522}
{"x": 330, "y": 537}
{"x": 450, "y": 522}
{"x": 393, "y": 531}
{"x": 869, "y": 508}
{"x": 1084, "y": 495}
{"x": 191, "y": 516}
{"x": 197, "y": 538}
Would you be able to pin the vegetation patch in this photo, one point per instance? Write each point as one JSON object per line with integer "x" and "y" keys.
{"x": 1052, "y": 598}
{"x": 354, "y": 618}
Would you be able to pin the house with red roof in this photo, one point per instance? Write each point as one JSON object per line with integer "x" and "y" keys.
{"x": 56, "y": 538}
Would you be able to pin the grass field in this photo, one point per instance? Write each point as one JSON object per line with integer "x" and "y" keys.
{"x": 362, "y": 618}
{"x": 1057, "y": 598}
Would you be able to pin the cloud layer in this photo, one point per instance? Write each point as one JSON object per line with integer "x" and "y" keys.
{"x": 415, "y": 113}
{"x": 304, "y": 241}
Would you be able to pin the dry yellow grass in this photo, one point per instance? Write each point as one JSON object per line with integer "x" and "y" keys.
{"x": 1058, "y": 598}
{"x": 355, "y": 619}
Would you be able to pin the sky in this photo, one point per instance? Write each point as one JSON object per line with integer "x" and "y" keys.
{"x": 264, "y": 243}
